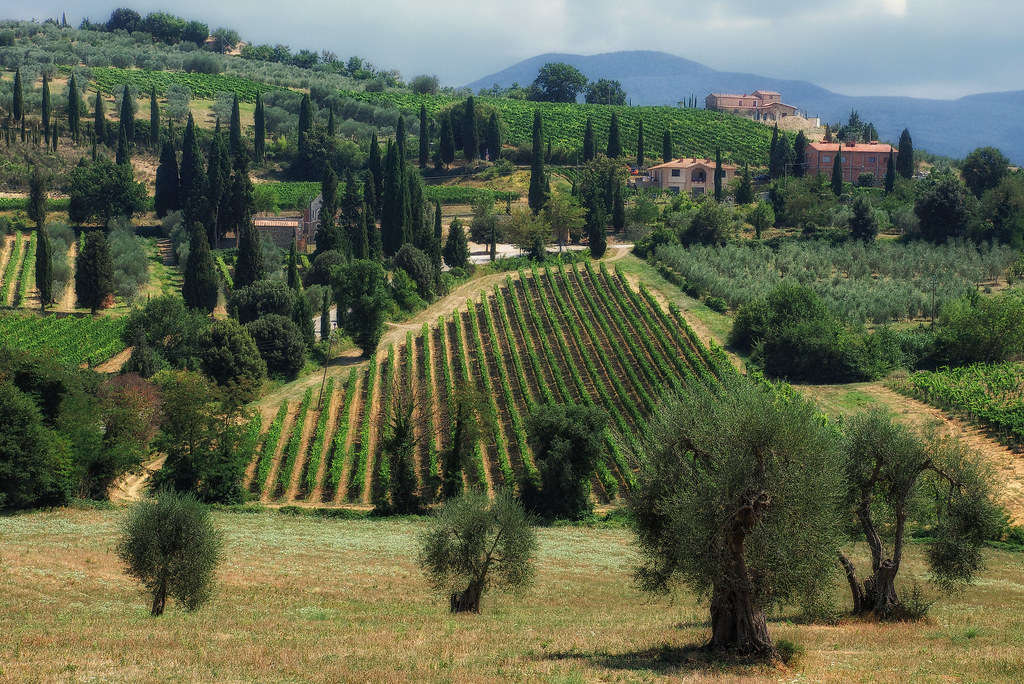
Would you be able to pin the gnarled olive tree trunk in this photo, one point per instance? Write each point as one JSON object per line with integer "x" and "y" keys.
{"x": 877, "y": 595}
{"x": 467, "y": 600}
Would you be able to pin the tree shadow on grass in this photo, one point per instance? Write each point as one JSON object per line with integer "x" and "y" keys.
{"x": 666, "y": 659}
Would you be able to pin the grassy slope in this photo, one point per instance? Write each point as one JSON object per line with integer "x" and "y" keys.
{"x": 325, "y": 600}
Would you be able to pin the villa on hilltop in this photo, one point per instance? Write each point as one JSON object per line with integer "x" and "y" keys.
{"x": 761, "y": 105}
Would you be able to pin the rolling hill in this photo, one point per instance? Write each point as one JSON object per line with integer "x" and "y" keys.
{"x": 947, "y": 127}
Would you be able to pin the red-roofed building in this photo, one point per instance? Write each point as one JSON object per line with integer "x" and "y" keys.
{"x": 689, "y": 175}
{"x": 760, "y": 105}
{"x": 857, "y": 159}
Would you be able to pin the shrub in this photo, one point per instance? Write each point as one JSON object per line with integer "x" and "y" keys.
{"x": 262, "y": 298}
{"x": 280, "y": 343}
{"x": 171, "y": 545}
{"x": 716, "y": 304}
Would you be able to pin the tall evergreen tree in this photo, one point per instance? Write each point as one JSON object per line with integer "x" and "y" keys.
{"x": 417, "y": 231}
{"x": 370, "y": 193}
{"x": 154, "y": 119}
{"x": 800, "y": 155}
{"x": 392, "y": 210}
{"x": 45, "y": 109}
{"x": 405, "y": 199}
{"x": 614, "y": 140}
{"x": 99, "y": 120}
{"x": 890, "y": 173}
{"x": 640, "y": 144}
{"x": 218, "y": 170}
{"x": 126, "y": 120}
{"x": 837, "y": 173}
{"x": 36, "y": 208}
{"x": 74, "y": 107}
{"x": 327, "y": 233}
{"x": 44, "y": 268}
{"x": 424, "y": 138}
{"x": 361, "y": 243}
{"x": 666, "y": 146}
{"x": 718, "y": 174}
{"x": 446, "y": 151}
{"x": 192, "y": 188}
{"x": 745, "y": 190}
{"x": 94, "y": 272}
{"x": 294, "y": 281}
{"x": 260, "y": 124}
{"x": 470, "y": 141}
{"x": 235, "y": 131}
{"x": 456, "y": 247}
{"x": 351, "y": 205}
{"x": 595, "y": 225}
{"x": 373, "y": 234}
{"x": 618, "y": 210}
{"x": 331, "y": 126}
{"x": 775, "y": 162}
{"x": 538, "y": 195}
{"x": 123, "y": 155}
{"x": 305, "y": 123}
{"x": 905, "y": 155}
{"x": 249, "y": 266}
{"x": 199, "y": 286}
{"x": 494, "y": 137}
{"x": 435, "y": 245}
{"x": 18, "y": 97}
{"x": 589, "y": 148}
{"x": 165, "y": 199}
{"x": 400, "y": 141}
{"x": 240, "y": 199}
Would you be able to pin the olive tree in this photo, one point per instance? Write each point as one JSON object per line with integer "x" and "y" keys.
{"x": 896, "y": 478}
{"x": 738, "y": 498}
{"x": 170, "y": 544}
{"x": 475, "y": 544}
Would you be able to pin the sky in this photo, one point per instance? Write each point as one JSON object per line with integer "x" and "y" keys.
{"x": 924, "y": 48}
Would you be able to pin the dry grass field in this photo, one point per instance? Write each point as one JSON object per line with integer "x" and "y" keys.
{"x": 304, "y": 598}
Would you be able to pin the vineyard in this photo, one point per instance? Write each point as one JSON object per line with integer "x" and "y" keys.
{"x": 989, "y": 394}
{"x": 296, "y": 194}
{"x": 878, "y": 282}
{"x": 553, "y": 335}
{"x": 17, "y": 268}
{"x": 695, "y": 132}
{"x": 203, "y": 86}
{"x": 73, "y": 340}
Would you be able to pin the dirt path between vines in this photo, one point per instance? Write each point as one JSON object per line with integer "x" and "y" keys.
{"x": 131, "y": 487}
{"x": 67, "y": 299}
{"x": 354, "y": 414}
{"x": 267, "y": 488}
{"x": 115, "y": 363}
{"x": 329, "y": 428}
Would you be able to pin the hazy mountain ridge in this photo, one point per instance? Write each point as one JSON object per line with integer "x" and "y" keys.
{"x": 948, "y": 127}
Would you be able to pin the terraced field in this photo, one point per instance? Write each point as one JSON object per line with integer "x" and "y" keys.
{"x": 556, "y": 335}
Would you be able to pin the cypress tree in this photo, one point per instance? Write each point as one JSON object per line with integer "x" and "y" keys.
{"x": 45, "y": 106}
{"x": 165, "y": 199}
{"x": 53, "y": 135}
{"x": 435, "y": 245}
{"x": 331, "y": 128}
{"x": 456, "y": 248}
{"x": 494, "y": 137}
{"x": 400, "y": 141}
{"x": 470, "y": 142}
{"x": 640, "y": 144}
{"x": 800, "y": 155}
{"x": 774, "y": 156}
{"x": 595, "y": 226}
{"x": 404, "y": 198}
{"x": 837, "y": 173}
{"x": 666, "y": 146}
{"x": 99, "y": 119}
{"x": 191, "y": 197}
{"x": 293, "y": 267}
{"x": 618, "y": 210}
{"x": 240, "y": 199}
{"x": 417, "y": 232}
{"x": 447, "y": 145}
{"x": 217, "y": 172}
{"x": 588, "y": 141}
{"x": 154, "y": 119}
{"x": 538, "y": 195}
{"x": 391, "y": 210}
{"x": 614, "y": 141}
{"x": 370, "y": 192}
{"x": 424, "y": 138}
{"x": 36, "y": 208}
{"x": 126, "y": 120}
{"x": 361, "y": 245}
{"x": 305, "y": 122}
{"x": 44, "y": 268}
{"x": 890, "y": 174}
{"x": 199, "y": 286}
{"x": 376, "y": 244}
{"x": 260, "y": 137}
{"x": 327, "y": 232}
{"x": 235, "y": 131}
{"x": 18, "y": 97}
{"x": 94, "y": 272}
{"x": 123, "y": 156}
{"x": 718, "y": 174}
{"x": 249, "y": 266}
{"x": 905, "y": 155}
{"x": 745, "y": 191}
{"x": 74, "y": 105}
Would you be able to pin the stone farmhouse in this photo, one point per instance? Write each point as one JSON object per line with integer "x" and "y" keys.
{"x": 761, "y": 105}
{"x": 690, "y": 175}
{"x": 281, "y": 230}
{"x": 857, "y": 159}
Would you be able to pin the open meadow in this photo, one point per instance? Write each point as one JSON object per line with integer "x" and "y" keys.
{"x": 315, "y": 599}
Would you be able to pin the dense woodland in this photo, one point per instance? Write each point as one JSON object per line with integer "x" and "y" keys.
{"x": 560, "y": 386}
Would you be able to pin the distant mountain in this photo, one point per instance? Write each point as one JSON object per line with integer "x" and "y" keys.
{"x": 948, "y": 127}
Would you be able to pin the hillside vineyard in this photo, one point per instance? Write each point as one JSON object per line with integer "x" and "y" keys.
{"x": 552, "y": 335}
